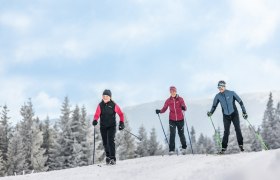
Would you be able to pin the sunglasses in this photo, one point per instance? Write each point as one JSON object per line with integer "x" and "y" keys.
{"x": 220, "y": 87}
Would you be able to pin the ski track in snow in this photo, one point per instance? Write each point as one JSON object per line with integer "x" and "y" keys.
{"x": 244, "y": 166}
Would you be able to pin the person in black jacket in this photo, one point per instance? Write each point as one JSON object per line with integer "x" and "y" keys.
{"x": 230, "y": 113}
{"x": 107, "y": 110}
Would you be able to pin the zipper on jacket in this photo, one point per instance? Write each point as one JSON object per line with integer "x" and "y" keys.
{"x": 226, "y": 102}
{"x": 175, "y": 109}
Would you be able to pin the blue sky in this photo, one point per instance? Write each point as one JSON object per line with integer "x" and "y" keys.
{"x": 136, "y": 48}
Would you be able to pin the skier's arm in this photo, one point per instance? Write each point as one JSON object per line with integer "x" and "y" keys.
{"x": 119, "y": 112}
{"x": 97, "y": 113}
{"x": 183, "y": 103}
{"x": 164, "y": 107}
{"x": 215, "y": 104}
{"x": 239, "y": 100}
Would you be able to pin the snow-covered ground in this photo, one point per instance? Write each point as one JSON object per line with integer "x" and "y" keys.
{"x": 245, "y": 166}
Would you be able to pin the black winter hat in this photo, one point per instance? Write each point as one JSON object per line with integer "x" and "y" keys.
{"x": 107, "y": 92}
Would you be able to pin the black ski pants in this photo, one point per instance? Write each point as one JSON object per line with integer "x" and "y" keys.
{"x": 180, "y": 126}
{"x": 108, "y": 138}
{"x": 234, "y": 118}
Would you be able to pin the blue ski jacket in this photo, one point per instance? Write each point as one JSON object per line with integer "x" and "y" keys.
{"x": 227, "y": 100}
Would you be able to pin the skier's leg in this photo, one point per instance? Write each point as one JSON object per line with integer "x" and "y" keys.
{"x": 111, "y": 142}
{"x": 227, "y": 123}
{"x": 236, "y": 123}
{"x": 172, "y": 127}
{"x": 180, "y": 126}
{"x": 103, "y": 131}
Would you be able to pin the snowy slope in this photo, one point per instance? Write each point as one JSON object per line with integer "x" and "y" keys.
{"x": 196, "y": 114}
{"x": 246, "y": 166}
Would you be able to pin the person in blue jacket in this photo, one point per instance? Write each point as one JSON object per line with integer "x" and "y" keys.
{"x": 227, "y": 100}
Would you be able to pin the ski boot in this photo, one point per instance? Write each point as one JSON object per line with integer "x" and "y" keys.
{"x": 241, "y": 148}
{"x": 184, "y": 151}
{"x": 107, "y": 160}
{"x": 171, "y": 153}
{"x": 222, "y": 151}
{"x": 112, "y": 162}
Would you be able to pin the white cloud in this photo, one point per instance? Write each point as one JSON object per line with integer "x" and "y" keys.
{"x": 253, "y": 23}
{"x": 17, "y": 21}
{"x": 46, "y": 105}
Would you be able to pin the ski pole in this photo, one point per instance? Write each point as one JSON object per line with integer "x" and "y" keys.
{"x": 129, "y": 131}
{"x": 188, "y": 133}
{"x": 163, "y": 130}
{"x": 133, "y": 134}
{"x": 93, "y": 146}
{"x": 258, "y": 136}
{"x": 217, "y": 136}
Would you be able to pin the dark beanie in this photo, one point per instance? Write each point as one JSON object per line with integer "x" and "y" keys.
{"x": 107, "y": 92}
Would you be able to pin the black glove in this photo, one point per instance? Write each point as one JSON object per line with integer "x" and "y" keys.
{"x": 209, "y": 114}
{"x": 94, "y": 122}
{"x": 183, "y": 108}
{"x": 121, "y": 125}
{"x": 245, "y": 115}
{"x": 157, "y": 111}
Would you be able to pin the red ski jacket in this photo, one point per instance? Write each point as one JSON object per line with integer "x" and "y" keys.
{"x": 175, "y": 106}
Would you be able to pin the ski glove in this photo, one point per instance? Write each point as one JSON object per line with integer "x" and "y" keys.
{"x": 157, "y": 111}
{"x": 245, "y": 115}
{"x": 121, "y": 126}
{"x": 209, "y": 114}
{"x": 183, "y": 108}
{"x": 94, "y": 122}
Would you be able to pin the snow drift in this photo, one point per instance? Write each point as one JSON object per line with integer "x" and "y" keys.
{"x": 244, "y": 166}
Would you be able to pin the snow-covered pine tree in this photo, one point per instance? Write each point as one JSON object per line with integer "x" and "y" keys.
{"x": 38, "y": 159}
{"x": 125, "y": 143}
{"x": 76, "y": 130}
{"x": 200, "y": 144}
{"x": 153, "y": 145}
{"x": 276, "y": 128}
{"x": 193, "y": 139}
{"x": 268, "y": 119}
{"x": 142, "y": 146}
{"x": 83, "y": 137}
{"x": 65, "y": 138}
{"x": 256, "y": 145}
{"x": 48, "y": 139}
{"x": 55, "y": 161}
{"x": 5, "y": 132}
{"x": 32, "y": 139}
{"x": 16, "y": 156}
{"x": 2, "y": 165}
{"x": 209, "y": 145}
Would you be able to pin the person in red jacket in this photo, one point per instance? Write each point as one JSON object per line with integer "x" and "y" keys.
{"x": 107, "y": 110}
{"x": 176, "y": 105}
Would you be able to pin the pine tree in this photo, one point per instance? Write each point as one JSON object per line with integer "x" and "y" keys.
{"x": 193, "y": 139}
{"x": 83, "y": 137}
{"x": 142, "y": 146}
{"x": 125, "y": 144}
{"x": 267, "y": 126}
{"x": 2, "y": 165}
{"x": 200, "y": 144}
{"x": 55, "y": 161}
{"x": 76, "y": 130}
{"x": 38, "y": 160}
{"x": 16, "y": 158}
{"x": 48, "y": 140}
{"x": 153, "y": 145}
{"x": 66, "y": 139}
{"x": 276, "y": 128}
{"x": 5, "y": 132}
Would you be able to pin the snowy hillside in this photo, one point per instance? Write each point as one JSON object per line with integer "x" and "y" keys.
{"x": 196, "y": 115}
{"x": 245, "y": 166}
